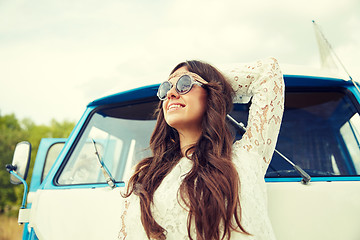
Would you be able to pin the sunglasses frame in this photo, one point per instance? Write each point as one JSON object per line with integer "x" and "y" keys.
{"x": 193, "y": 82}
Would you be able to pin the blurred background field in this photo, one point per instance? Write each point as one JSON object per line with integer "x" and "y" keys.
{"x": 9, "y": 228}
{"x": 12, "y": 131}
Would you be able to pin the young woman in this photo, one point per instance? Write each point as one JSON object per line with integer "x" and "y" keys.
{"x": 199, "y": 184}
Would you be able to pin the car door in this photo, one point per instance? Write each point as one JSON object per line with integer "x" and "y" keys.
{"x": 74, "y": 201}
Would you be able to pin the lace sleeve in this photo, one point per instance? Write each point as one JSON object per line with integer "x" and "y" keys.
{"x": 263, "y": 81}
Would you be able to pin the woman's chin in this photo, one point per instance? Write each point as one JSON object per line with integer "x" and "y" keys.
{"x": 174, "y": 123}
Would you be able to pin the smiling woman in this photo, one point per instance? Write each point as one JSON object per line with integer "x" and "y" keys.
{"x": 184, "y": 109}
{"x": 198, "y": 184}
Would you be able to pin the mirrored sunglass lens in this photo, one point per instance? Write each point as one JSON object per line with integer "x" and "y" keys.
{"x": 184, "y": 84}
{"x": 163, "y": 89}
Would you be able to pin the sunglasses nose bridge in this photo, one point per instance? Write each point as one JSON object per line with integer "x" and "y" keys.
{"x": 172, "y": 93}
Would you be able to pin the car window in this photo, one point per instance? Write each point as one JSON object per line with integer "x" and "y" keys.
{"x": 121, "y": 135}
{"x": 350, "y": 133}
{"x": 52, "y": 154}
{"x": 319, "y": 132}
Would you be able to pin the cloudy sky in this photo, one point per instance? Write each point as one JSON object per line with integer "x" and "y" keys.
{"x": 57, "y": 56}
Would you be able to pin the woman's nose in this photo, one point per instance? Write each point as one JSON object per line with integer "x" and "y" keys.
{"x": 172, "y": 93}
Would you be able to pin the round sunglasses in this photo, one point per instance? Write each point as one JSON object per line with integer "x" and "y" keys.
{"x": 183, "y": 86}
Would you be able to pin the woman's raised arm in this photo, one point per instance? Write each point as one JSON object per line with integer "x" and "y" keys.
{"x": 263, "y": 81}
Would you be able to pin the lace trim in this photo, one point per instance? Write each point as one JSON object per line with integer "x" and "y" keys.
{"x": 263, "y": 81}
{"x": 123, "y": 234}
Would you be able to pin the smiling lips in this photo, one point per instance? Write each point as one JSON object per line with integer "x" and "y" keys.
{"x": 175, "y": 106}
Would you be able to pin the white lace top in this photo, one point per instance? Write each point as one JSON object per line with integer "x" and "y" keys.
{"x": 263, "y": 81}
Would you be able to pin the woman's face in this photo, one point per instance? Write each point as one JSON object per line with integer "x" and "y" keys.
{"x": 184, "y": 112}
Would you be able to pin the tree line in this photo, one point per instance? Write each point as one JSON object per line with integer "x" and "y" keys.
{"x": 12, "y": 131}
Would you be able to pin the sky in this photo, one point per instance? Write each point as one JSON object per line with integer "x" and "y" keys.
{"x": 57, "y": 56}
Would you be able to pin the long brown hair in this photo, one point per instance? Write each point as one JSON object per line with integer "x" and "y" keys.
{"x": 211, "y": 188}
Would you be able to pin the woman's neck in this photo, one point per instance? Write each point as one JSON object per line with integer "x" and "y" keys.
{"x": 188, "y": 138}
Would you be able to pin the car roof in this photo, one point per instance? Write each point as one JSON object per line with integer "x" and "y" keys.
{"x": 150, "y": 90}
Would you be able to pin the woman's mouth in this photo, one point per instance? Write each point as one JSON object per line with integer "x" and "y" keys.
{"x": 175, "y": 106}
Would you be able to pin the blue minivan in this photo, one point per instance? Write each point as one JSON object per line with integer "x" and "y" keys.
{"x": 76, "y": 182}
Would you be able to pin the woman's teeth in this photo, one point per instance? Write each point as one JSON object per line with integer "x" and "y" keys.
{"x": 175, "y": 106}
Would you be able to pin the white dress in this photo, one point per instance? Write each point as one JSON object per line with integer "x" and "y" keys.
{"x": 263, "y": 81}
